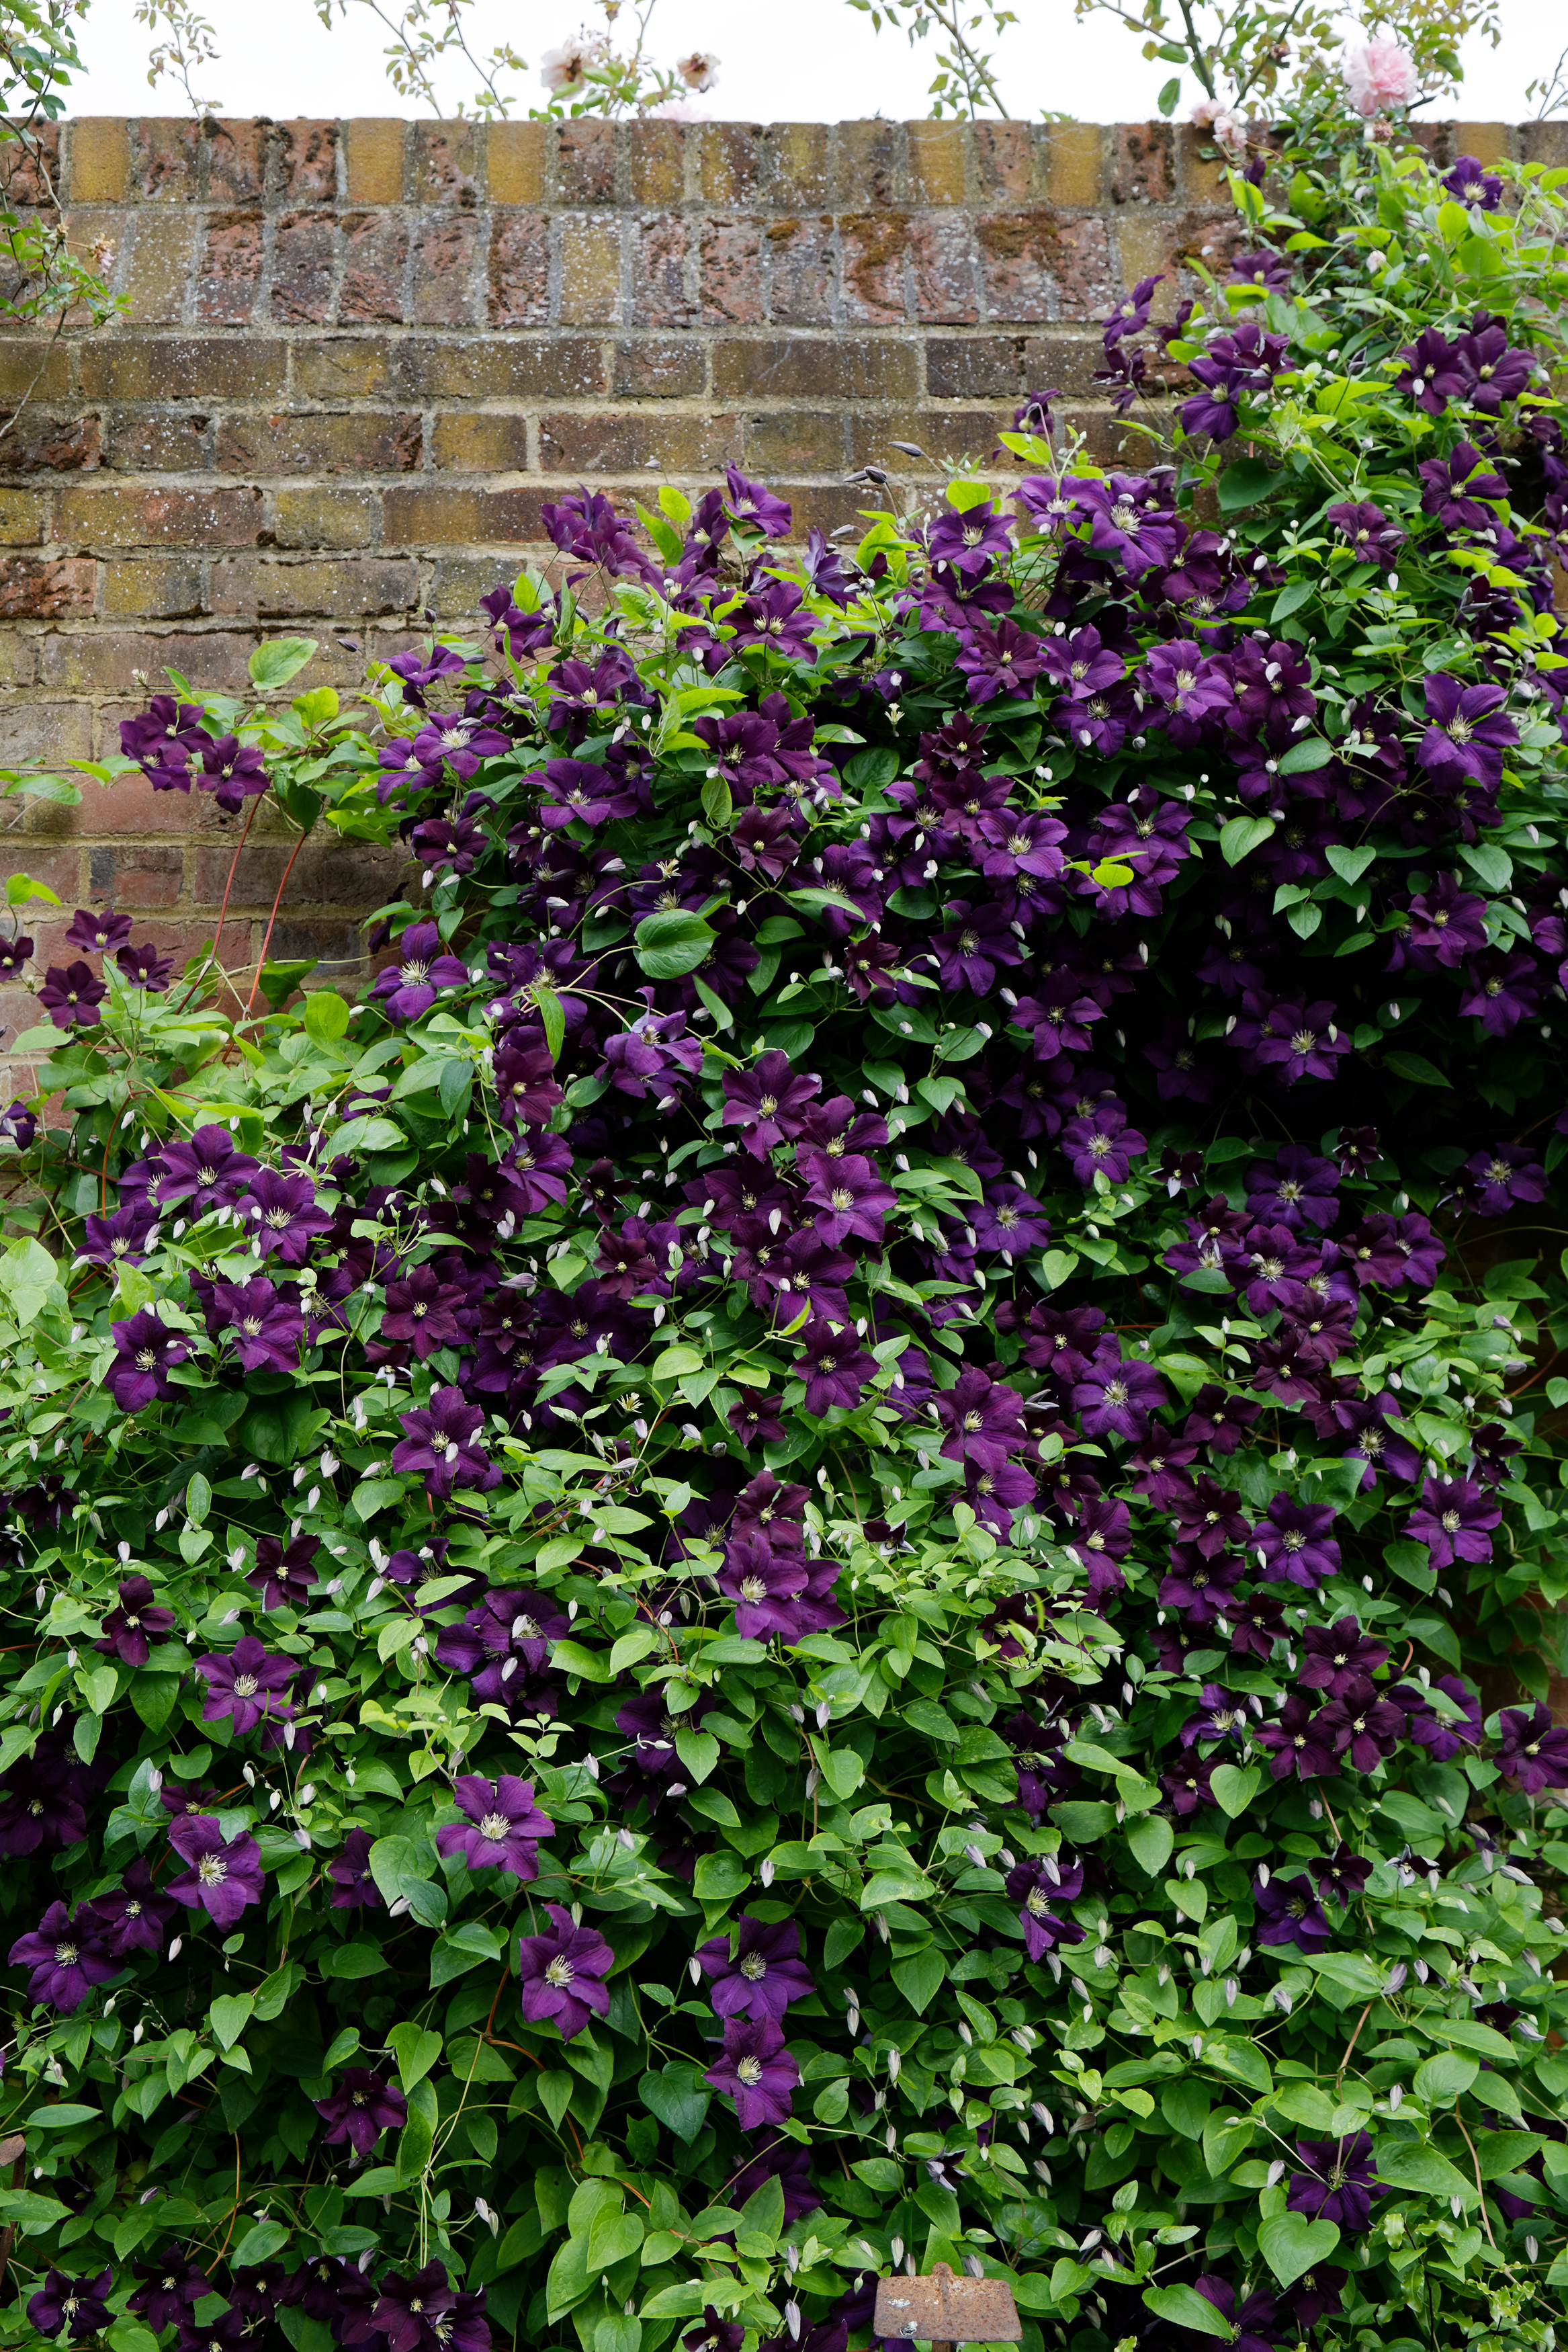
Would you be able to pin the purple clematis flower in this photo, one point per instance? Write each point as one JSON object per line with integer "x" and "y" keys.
{"x": 1339, "y": 2184}
{"x": 285, "y": 1578}
{"x": 1454, "y": 1519}
{"x": 174, "y": 2285}
{"x": 763, "y": 1584}
{"x": 1187, "y": 1785}
{"x": 1101, "y": 1144}
{"x": 1373, "y": 538}
{"x": 98, "y": 934}
{"x": 849, "y": 1195}
{"x": 1472, "y": 184}
{"x": 1468, "y": 734}
{"x": 134, "y": 1915}
{"x": 206, "y": 1169}
{"x": 232, "y": 772}
{"x": 145, "y": 1349}
{"x": 247, "y": 1685}
{"x": 502, "y": 1827}
{"x": 225, "y": 1874}
{"x": 1250, "y": 2328}
{"x": 756, "y": 2071}
{"x": 1294, "y": 1544}
{"x": 410, "y": 987}
{"x": 71, "y": 997}
{"x": 833, "y": 1365}
{"x": 349, "y": 1873}
{"x": 766, "y": 1974}
{"x": 1116, "y": 1394}
{"x": 422, "y": 2314}
{"x": 1335, "y": 1655}
{"x": 133, "y": 1622}
{"x": 442, "y": 1440}
{"x": 1496, "y": 1180}
{"x": 769, "y": 1102}
{"x": 283, "y": 1215}
{"x": 563, "y": 1974}
{"x": 1039, "y": 1885}
{"x": 787, "y": 2162}
{"x": 75, "y": 2305}
{"x": 362, "y": 2107}
{"x": 123, "y": 1238}
{"x": 713, "y": 2334}
{"x": 263, "y": 1324}
{"x": 1299, "y": 1741}
{"x": 1289, "y": 1912}
{"x": 981, "y": 1419}
{"x": 1531, "y": 1750}
{"x": 66, "y": 1956}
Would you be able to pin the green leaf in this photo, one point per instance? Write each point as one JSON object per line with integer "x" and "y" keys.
{"x": 1169, "y": 93}
{"x": 326, "y": 1016}
{"x": 198, "y": 1500}
{"x": 281, "y": 658}
{"x": 718, "y": 803}
{"x": 1407, "y": 2165}
{"x": 1244, "y": 483}
{"x": 1440, "y": 2080}
{"x": 127, "y": 2335}
{"x": 1185, "y": 2307}
{"x": 698, "y": 1751}
{"x": 553, "y": 1015}
{"x": 678, "y": 2096}
{"x": 1291, "y": 2245}
{"x": 416, "y": 2051}
{"x": 353, "y": 1960}
{"x": 673, "y": 1363}
{"x": 1307, "y": 752}
{"x": 228, "y": 2017}
{"x": 1350, "y": 865}
{"x": 1241, "y": 835}
{"x": 670, "y": 945}
{"x": 1235, "y": 1786}
{"x": 261, "y": 2242}
{"x": 1416, "y": 1068}
{"x": 28, "y": 1275}
{"x": 920, "y": 1978}
{"x": 1150, "y": 1838}
{"x": 1291, "y": 600}
{"x": 279, "y": 980}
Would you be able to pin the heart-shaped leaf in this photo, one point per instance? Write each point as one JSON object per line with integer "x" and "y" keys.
{"x": 1291, "y": 2245}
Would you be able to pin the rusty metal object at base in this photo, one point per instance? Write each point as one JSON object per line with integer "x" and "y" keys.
{"x": 945, "y": 2311}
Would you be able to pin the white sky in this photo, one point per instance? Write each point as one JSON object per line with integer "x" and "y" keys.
{"x": 807, "y": 60}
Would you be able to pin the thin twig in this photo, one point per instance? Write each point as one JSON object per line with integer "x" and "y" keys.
{"x": 1480, "y": 2191}
{"x": 1350, "y": 2045}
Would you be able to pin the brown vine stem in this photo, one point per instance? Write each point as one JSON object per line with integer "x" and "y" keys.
{"x": 233, "y": 2210}
{"x": 266, "y": 935}
{"x": 1480, "y": 2191}
{"x": 1350, "y": 2045}
{"x": 228, "y": 886}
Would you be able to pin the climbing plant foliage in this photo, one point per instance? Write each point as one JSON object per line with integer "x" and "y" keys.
{"x": 838, "y": 1542}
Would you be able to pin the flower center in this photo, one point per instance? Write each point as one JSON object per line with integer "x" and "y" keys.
{"x": 754, "y": 1967}
{"x": 244, "y": 1687}
{"x": 560, "y": 1971}
{"x": 495, "y": 1826}
{"x": 211, "y": 1870}
{"x": 750, "y": 2071}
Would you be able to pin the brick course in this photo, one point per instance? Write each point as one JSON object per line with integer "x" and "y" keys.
{"x": 358, "y": 357}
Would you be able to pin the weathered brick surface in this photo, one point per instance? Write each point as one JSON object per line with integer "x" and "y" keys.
{"x": 358, "y": 357}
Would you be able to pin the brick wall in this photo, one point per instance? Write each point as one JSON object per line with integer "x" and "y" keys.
{"x": 357, "y": 357}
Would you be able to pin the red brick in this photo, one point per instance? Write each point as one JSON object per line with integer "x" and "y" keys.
{"x": 39, "y": 443}
{"x": 942, "y": 269}
{"x": 58, "y": 869}
{"x": 432, "y": 514}
{"x": 288, "y": 443}
{"x": 575, "y": 443}
{"x": 129, "y": 806}
{"x": 328, "y": 872}
{"x": 873, "y": 246}
{"x": 110, "y": 516}
{"x": 820, "y": 366}
{"x": 867, "y": 165}
{"x": 375, "y": 248}
{"x": 136, "y": 878}
{"x": 333, "y": 587}
{"x": 732, "y": 272}
{"x": 734, "y": 163}
{"x": 659, "y": 274}
{"x": 181, "y": 367}
{"x": 446, "y": 163}
{"x": 458, "y": 367}
{"x": 795, "y": 440}
{"x": 443, "y": 271}
{"x": 1036, "y": 265}
{"x": 42, "y": 589}
{"x": 169, "y": 152}
{"x": 305, "y": 165}
{"x": 974, "y": 367}
{"x": 43, "y": 734}
{"x": 1004, "y": 162}
{"x": 662, "y": 367}
{"x": 303, "y": 264}
{"x": 801, "y": 271}
{"x": 797, "y": 172}
{"x": 228, "y": 272}
{"x": 1145, "y": 164}
{"x": 237, "y": 163}
{"x": 158, "y": 441}
{"x": 519, "y": 269}
{"x": 585, "y": 162}
{"x": 30, "y": 171}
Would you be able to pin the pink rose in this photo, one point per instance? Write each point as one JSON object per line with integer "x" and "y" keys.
{"x": 1378, "y": 74}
